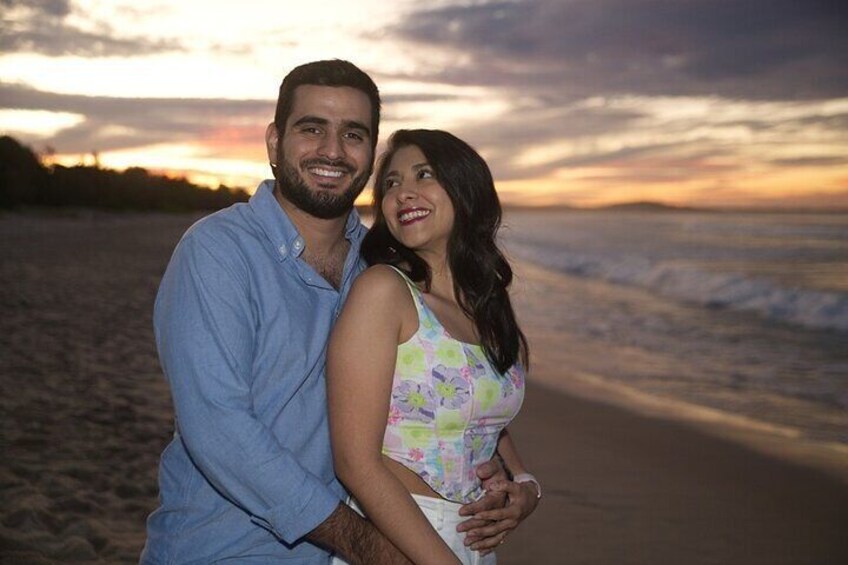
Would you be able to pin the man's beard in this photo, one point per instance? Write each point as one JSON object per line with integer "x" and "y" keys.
{"x": 323, "y": 204}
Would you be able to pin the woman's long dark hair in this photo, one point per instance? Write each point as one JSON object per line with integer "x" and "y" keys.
{"x": 481, "y": 274}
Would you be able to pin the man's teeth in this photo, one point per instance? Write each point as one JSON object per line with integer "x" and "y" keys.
{"x": 413, "y": 215}
{"x": 326, "y": 173}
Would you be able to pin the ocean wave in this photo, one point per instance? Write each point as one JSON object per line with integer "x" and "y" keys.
{"x": 810, "y": 308}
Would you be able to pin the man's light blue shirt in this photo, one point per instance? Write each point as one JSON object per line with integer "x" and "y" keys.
{"x": 241, "y": 325}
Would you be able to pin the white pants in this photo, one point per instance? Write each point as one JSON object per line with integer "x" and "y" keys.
{"x": 444, "y": 517}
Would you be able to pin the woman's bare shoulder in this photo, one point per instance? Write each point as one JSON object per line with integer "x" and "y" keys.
{"x": 379, "y": 297}
{"x": 381, "y": 281}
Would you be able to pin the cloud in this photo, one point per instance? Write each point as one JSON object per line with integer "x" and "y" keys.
{"x": 812, "y": 162}
{"x": 59, "y": 8}
{"x": 43, "y": 27}
{"x": 633, "y": 91}
{"x": 539, "y": 126}
{"x": 757, "y": 49}
{"x": 120, "y": 123}
{"x": 642, "y": 142}
{"x": 113, "y": 123}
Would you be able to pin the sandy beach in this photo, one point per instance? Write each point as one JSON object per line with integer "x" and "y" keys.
{"x": 86, "y": 413}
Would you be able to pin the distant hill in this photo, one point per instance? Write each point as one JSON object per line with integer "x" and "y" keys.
{"x": 641, "y": 206}
{"x": 508, "y": 206}
{"x": 645, "y": 206}
{"x": 24, "y": 181}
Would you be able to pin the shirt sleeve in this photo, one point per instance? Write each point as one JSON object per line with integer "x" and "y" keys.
{"x": 205, "y": 334}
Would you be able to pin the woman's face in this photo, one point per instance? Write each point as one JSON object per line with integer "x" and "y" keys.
{"x": 418, "y": 211}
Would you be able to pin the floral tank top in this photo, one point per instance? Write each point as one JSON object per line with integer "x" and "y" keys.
{"x": 448, "y": 407}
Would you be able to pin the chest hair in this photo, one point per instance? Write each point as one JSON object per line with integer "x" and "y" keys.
{"x": 329, "y": 266}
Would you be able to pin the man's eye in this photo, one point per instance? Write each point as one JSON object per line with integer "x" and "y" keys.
{"x": 354, "y": 136}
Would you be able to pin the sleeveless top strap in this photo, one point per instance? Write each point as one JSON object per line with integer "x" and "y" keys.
{"x": 424, "y": 312}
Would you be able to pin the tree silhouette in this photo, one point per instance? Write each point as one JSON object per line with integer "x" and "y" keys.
{"x": 24, "y": 181}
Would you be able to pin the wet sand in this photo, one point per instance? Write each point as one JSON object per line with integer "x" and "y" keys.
{"x": 86, "y": 412}
{"x": 622, "y": 488}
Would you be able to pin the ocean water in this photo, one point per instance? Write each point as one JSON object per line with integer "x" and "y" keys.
{"x": 746, "y": 314}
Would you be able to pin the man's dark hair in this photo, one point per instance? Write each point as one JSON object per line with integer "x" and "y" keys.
{"x": 334, "y": 72}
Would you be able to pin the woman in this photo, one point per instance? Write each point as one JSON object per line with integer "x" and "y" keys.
{"x": 415, "y": 403}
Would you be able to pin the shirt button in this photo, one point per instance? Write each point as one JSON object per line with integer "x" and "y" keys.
{"x": 298, "y": 244}
{"x": 283, "y": 250}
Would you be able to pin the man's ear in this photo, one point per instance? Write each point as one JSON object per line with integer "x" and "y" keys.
{"x": 271, "y": 140}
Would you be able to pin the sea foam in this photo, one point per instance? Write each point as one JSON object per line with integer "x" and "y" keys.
{"x": 662, "y": 272}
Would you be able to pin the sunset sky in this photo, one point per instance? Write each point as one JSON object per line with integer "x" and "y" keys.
{"x": 585, "y": 102}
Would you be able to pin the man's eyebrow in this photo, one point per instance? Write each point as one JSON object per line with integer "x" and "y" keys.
{"x": 311, "y": 120}
{"x": 349, "y": 124}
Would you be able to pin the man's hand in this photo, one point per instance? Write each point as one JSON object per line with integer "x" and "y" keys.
{"x": 482, "y": 532}
{"x": 491, "y": 472}
{"x": 499, "y": 511}
{"x": 521, "y": 501}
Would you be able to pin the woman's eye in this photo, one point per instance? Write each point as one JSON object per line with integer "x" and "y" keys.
{"x": 425, "y": 174}
{"x": 390, "y": 183}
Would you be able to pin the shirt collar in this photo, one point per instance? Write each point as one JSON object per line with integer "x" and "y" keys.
{"x": 279, "y": 228}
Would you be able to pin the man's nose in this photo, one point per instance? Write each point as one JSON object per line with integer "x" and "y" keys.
{"x": 331, "y": 147}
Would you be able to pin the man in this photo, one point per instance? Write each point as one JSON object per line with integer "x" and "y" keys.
{"x": 242, "y": 318}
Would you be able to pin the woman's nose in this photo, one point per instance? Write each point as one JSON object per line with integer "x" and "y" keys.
{"x": 404, "y": 193}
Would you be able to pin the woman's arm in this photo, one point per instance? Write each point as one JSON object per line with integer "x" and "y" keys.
{"x": 509, "y": 454}
{"x": 360, "y": 367}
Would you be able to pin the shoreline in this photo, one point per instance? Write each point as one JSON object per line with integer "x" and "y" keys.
{"x": 780, "y": 443}
{"x": 573, "y": 365}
